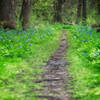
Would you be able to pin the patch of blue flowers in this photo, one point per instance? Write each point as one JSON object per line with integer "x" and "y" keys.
{"x": 15, "y": 43}
{"x": 86, "y": 33}
{"x": 88, "y": 44}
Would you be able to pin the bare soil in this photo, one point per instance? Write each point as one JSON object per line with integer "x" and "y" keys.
{"x": 56, "y": 76}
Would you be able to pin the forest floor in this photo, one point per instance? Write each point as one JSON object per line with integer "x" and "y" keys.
{"x": 55, "y": 78}
{"x": 42, "y": 74}
{"x": 50, "y": 69}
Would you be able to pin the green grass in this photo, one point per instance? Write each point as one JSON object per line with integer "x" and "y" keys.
{"x": 21, "y": 62}
{"x": 23, "y": 55}
{"x": 84, "y": 56}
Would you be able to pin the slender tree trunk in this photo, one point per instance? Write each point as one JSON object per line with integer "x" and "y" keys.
{"x": 25, "y": 13}
{"x": 79, "y": 8}
{"x": 79, "y": 11}
{"x": 98, "y": 7}
{"x": 58, "y": 9}
{"x": 7, "y": 13}
{"x": 84, "y": 13}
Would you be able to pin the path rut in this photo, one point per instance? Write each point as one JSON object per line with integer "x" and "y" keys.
{"x": 56, "y": 75}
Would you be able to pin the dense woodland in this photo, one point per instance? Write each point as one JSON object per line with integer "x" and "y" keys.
{"x": 31, "y": 34}
{"x": 63, "y": 11}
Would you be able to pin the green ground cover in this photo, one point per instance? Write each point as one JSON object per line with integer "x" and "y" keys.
{"x": 22, "y": 55}
{"x": 84, "y": 56}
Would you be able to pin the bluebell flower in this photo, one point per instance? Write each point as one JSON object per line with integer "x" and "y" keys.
{"x": 97, "y": 54}
{"x": 15, "y": 33}
{"x": 24, "y": 36}
{"x": 8, "y": 35}
{"x": 81, "y": 27}
{"x": 87, "y": 35}
{"x": 19, "y": 33}
{"x": 30, "y": 44}
{"x": 20, "y": 46}
{"x": 28, "y": 40}
{"x": 21, "y": 37}
{"x": 84, "y": 31}
{"x": 91, "y": 30}
{"x": 50, "y": 30}
{"x": 25, "y": 31}
{"x": 13, "y": 39}
{"x": 10, "y": 46}
{"x": 41, "y": 36}
{"x": 85, "y": 54}
{"x": 91, "y": 33}
{"x": 86, "y": 26}
{"x": 83, "y": 40}
{"x": 1, "y": 37}
{"x": 97, "y": 39}
{"x": 4, "y": 33}
{"x": 78, "y": 30}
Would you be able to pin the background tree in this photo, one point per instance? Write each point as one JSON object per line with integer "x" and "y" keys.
{"x": 84, "y": 11}
{"x": 43, "y": 10}
{"x": 79, "y": 8}
{"x": 7, "y": 13}
{"x": 98, "y": 6}
{"x": 69, "y": 11}
{"x": 81, "y": 11}
{"x": 48, "y": 10}
{"x": 25, "y": 13}
{"x": 58, "y": 9}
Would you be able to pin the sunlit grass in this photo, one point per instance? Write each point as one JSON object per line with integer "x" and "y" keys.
{"x": 20, "y": 67}
{"x": 84, "y": 57}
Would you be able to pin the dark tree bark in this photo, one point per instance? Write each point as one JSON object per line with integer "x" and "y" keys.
{"x": 84, "y": 14}
{"x": 79, "y": 8}
{"x": 98, "y": 7}
{"x": 81, "y": 11}
{"x": 25, "y": 13}
{"x": 58, "y": 9}
{"x": 7, "y": 13}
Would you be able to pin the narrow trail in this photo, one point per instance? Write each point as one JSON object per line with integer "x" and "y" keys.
{"x": 56, "y": 75}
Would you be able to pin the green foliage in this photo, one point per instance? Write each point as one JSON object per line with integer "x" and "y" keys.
{"x": 84, "y": 54}
{"x": 15, "y": 43}
{"x": 43, "y": 9}
{"x": 22, "y": 55}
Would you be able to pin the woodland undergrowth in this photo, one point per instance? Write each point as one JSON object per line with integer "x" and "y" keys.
{"x": 22, "y": 55}
{"x": 84, "y": 56}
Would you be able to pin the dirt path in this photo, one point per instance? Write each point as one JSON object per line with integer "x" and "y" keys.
{"x": 56, "y": 75}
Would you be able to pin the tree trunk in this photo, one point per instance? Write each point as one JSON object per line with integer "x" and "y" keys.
{"x": 79, "y": 8}
{"x": 7, "y": 13}
{"x": 58, "y": 9}
{"x": 25, "y": 13}
{"x": 98, "y": 7}
{"x": 84, "y": 14}
{"x": 79, "y": 11}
